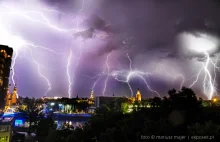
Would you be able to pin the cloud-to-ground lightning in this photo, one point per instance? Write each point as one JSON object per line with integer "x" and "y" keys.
{"x": 173, "y": 76}
{"x": 17, "y": 42}
{"x": 68, "y": 73}
{"x": 79, "y": 57}
{"x": 10, "y": 13}
{"x": 14, "y": 12}
{"x": 124, "y": 74}
{"x": 204, "y": 44}
{"x": 40, "y": 73}
{"x": 208, "y": 85}
{"x": 101, "y": 74}
{"x": 108, "y": 69}
{"x": 197, "y": 77}
{"x": 13, "y": 66}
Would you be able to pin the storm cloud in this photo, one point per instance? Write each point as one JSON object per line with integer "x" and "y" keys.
{"x": 146, "y": 30}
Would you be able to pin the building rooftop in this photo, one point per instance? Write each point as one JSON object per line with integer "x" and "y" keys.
{"x": 9, "y": 50}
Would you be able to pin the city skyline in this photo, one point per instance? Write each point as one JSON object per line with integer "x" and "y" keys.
{"x": 71, "y": 48}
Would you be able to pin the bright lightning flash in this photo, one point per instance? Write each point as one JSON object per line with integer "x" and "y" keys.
{"x": 127, "y": 75}
{"x": 68, "y": 73}
{"x": 206, "y": 45}
{"x": 9, "y": 13}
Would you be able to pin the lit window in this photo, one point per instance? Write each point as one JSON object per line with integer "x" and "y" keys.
{"x": 18, "y": 122}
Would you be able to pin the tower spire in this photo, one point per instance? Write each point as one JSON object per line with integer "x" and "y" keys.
{"x": 14, "y": 95}
{"x": 138, "y": 95}
{"x": 92, "y": 95}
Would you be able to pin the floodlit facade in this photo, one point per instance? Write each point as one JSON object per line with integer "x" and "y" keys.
{"x": 5, "y": 65}
{"x": 138, "y": 95}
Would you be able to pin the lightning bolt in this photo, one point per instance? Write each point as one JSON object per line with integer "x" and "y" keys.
{"x": 101, "y": 74}
{"x": 68, "y": 74}
{"x": 39, "y": 72}
{"x": 68, "y": 66}
{"x": 132, "y": 73}
{"x": 79, "y": 57}
{"x": 117, "y": 74}
{"x": 197, "y": 77}
{"x": 208, "y": 85}
{"x": 209, "y": 81}
{"x": 43, "y": 19}
{"x": 31, "y": 15}
{"x": 183, "y": 80}
{"x": 108, "y": 69}
{"x": 13, "y": 66}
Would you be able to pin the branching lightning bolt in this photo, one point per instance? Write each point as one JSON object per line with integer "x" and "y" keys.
{"x": 208, "y": 82}
{"x": 108, "y": 69}
{"x": 127, "y": 75}
{"x": 42, "y": 19}
{"x": 13, "y": 66}
{"x": 39, "y": 72}
{"x": 79, "y": 57}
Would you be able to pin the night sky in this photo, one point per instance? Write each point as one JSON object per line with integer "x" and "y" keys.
{"x": 112, "y": 38}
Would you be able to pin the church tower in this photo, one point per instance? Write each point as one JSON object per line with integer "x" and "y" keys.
{"x": 138, "y": 95}
{"x": 14, "y": 96}
{"x": 8, "y": 97}
{"x": 92, "y": 95}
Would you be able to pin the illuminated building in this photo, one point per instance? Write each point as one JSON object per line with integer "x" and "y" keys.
{"x": 8, "y": 97}
{"x": 92, "y": 95}
{"x": 138, "y": 95}
{"x": 5, "y": 64}
{"x": 131, "y": 99}
{"x": 11, "y": 98}
{"x": 51, "y": 98}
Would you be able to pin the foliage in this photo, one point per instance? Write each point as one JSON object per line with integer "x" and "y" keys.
{"x": 111, "y": 124}
{"x": 124, "y": 107}
{"x": 209, "y": 128}
{"x": 58, "y": 136}
{"x": 45, "y": 126}
{"x": 33, "y": 111}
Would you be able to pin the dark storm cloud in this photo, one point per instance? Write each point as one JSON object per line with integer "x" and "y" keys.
{"x": 84, "y": 34}
{"x": 94, "y": 21}
{"x": 143, "y": 26}
{"x": 196, "y": 26}
{"x": 154, "y": 22}
{"x": 146, "y": 29}
{"x": 109, "y": 47}
{"x": 173, "y": 55}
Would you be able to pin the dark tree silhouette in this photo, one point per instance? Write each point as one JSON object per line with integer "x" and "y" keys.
{"x": 32, "y": 110}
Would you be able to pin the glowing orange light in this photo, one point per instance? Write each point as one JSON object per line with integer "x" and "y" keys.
{"x": 214, "y": 100}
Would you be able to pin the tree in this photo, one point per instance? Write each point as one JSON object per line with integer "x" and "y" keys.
{"x": 184, "y": 100}
{"x": 156, "y": 102}
{"x": 58, "y": 136}
{"x": 208, "y": 129}
{"x": 111, "y": 125}
{"x": 45, "y": 126}
{"x": 32, "y": 110}
{"x": 124, "y": 107}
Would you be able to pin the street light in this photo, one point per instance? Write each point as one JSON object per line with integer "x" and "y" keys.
{"x": 214, "y": 99}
